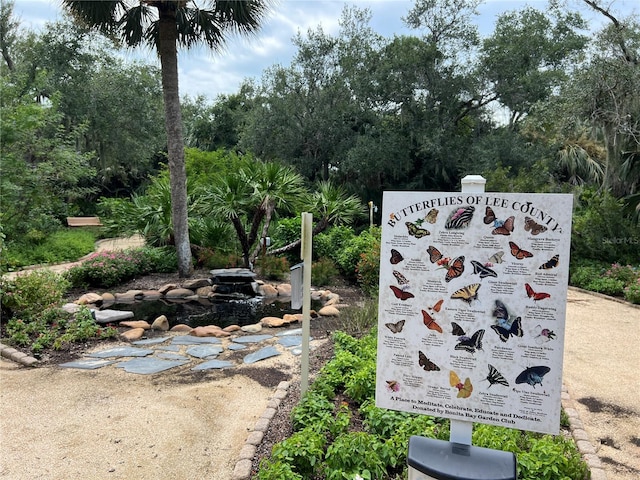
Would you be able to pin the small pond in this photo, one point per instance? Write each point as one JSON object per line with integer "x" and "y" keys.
{"x": 222, "y": 313}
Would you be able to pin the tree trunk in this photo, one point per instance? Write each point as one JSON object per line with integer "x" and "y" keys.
{"x": 167, "y": 49}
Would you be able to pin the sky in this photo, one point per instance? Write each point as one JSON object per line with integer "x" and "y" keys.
{"x": 207, "y": 73}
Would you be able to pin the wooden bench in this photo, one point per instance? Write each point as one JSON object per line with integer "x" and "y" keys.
{"x": 84, "y": 222}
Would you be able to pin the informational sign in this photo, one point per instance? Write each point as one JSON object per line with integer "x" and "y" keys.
{"x": 473, "y": 292}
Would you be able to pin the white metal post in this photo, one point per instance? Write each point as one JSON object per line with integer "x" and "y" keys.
{"x": 305, "y": 253}
{"x": 459, "y": 430}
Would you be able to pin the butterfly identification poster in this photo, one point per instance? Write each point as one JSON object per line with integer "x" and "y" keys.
{"x": 472, "y": 306}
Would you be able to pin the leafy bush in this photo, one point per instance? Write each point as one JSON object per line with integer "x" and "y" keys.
{"x": 110, "y": 268}
{"x": 302, "y": 450}
{"x": 273, "y": 268}
{"x": 368, "y": 267}
{"x": 608, "y": 286}
{"x": 29, "y": 294}
{"x": 380, "y": 450}
{"x": 602, "y": 231}
{"x": 323, "y": 272}
{"x": 616, "y": 280}
{"x": 330, "y": 242}
{"x": 347, "y": 259}
{"x": 31, "y": 303}
{"x": 632, "y": 292}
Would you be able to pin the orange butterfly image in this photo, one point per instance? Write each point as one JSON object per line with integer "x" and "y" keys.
{"x": 517, "y": 252}
{"x": 430, "y": 322}
{"x": 454, "y": 269}
{"x": 535, "y": 295}
{"x": 436, "y": 308}
{"x": 401, "y": 294}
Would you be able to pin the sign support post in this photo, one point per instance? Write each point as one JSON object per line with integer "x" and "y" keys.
{"x": 305, "y": 254}
{"x": 459, "y": 430}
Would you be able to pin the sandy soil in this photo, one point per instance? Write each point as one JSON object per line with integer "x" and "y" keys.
{"x": 61, "y": 423}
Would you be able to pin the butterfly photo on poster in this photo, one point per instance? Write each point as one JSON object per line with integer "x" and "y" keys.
{"x": 454, "y": 267}
{"x": 495, "y": 377}
{"x": 482, "y": 270}
{"x": 464, "y": 389}
{"x": 467, "y": 294}
{"x": 470, "y": 344}
{"x": 396, "y": 257}
{"x": 430, "y": 323}
{"x": 530, "y": 225}
{"x": 395, "y": 327}
{"x": 460, "y": 218}
{"x": 500, "y": 227}
{"x": 416, "y": 231}
{"x": 533, "y": 375}
{"x": 401, "y": 294}
{"x": 426, "y": 364}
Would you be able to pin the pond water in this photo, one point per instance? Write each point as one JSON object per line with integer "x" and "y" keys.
{"x": 222, "y": 313}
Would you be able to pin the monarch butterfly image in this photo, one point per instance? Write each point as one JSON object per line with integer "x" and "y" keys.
{"x": 430, "y": 323}
{"x": 395, "y": 327}
{"x": 468, "y": 293}
{"x": 535, "y": 295}
{"x": 530, "y": 225}
{"x": 401, "y": 294}
{"x": 495, "y": 377}
{"x": 464, "y": 389}
{"x": 482, "y": 270}
{"x": 431, "y": 216}
{"x": 515, "y": 330}
{"x": 517, "y": 252}
{"x": 533, "y": 375}
{"x": 470, "y": 344}
{"x": 454, "y": 267}
{"x": 427, "y": 364}
{"x": 416, "y": 231}
{"x": 552, "y": 263}
{"x": 396, "y": 257}
{"x": 460, "y": 218}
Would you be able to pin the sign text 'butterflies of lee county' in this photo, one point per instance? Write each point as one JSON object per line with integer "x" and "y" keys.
{"x": 472, "y": 306}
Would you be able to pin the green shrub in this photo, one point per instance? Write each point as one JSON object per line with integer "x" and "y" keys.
{"x": 608, "y": 286}
{"x": 271, "y": 469}
{"x": 347, "y": 259}
{"x": 632, "y": 292}
{"x": 368, "y": 266}
{"x": 313, "y": 410}
{"x": 601, "y": 230}
{"x": 273, "y": 268}
{"x": 582, "y": 272}
{"x": 323, "y": 272}
{"x": 302, "y": 450}
{"x": 109, "y": 268}
{"x": 31, "y": 293}
{"x": 330, "y": 242}
{"x": 355, "y": 453}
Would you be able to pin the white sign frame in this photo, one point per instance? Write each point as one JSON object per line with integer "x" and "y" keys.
{"x": 434, "y": 301}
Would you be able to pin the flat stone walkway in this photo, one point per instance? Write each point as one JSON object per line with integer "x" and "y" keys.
{"x": 165, "y": 351}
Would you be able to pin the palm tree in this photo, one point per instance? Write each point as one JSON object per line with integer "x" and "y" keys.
{"x": 165, "y": 25}
{"x": 250, "y": 196}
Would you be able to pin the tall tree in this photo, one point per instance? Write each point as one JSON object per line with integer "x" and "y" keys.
{"x": 165, "y": 25}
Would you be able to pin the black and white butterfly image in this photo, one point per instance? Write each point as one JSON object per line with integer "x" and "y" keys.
{"x": 470, "y": 344}
{"x": 495, "y": 377}
{"x": 427, "y": 364}
{"x": 533, "y": 375}
{"x": 460, "y": 218}
{"x": 395, "y": 327}
{"x": 482, "y": 270}
{"x": 505, "y": 332}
